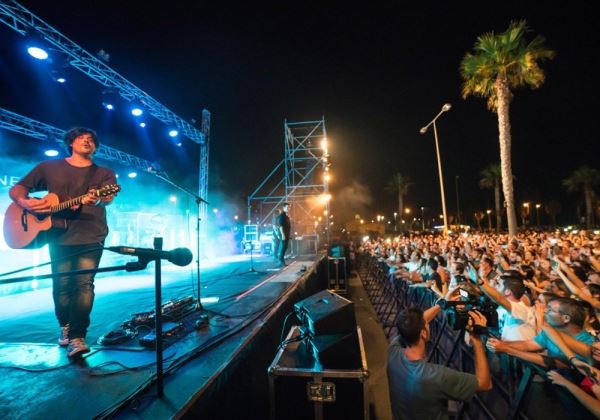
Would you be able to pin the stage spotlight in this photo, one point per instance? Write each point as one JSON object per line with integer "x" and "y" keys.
{"x": 143, "y": 124}
{"x": 37, "y": 52}
{"x": 173, "y": 133}
{"x": 109, "y": 99}
{"x": 179, "y": 144}
{"x": 58, "y": 67}
{"x": 132, "y": 174}
{"x": 136, "y": 111}
{"x": 51, "y": 152}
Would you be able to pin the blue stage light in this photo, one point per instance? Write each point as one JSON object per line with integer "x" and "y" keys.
{"x": 109, "y": 106}
{"x": 143, "y": 124}
{"x": 51, "y": 152}
{"x": 61, "y": 80}
{"x": 132, "y": 174}
{"x": 38, "y": 53}
{"x": 179, "y": 144}
{"x": 173, "y": 133}
{"x": 136, "y": 112}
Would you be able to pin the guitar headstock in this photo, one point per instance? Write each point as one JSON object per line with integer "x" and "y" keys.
{"x": 108, "y": 190}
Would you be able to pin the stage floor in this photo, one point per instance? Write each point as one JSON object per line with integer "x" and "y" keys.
{"x": 40, "y": 381}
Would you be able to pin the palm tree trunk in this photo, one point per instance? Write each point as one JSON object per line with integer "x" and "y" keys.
{"x": 497, "y": 203}
{"x": 400, "y": 212}
{"x": 503, "y": 95}
{"x": 588, "y": 206}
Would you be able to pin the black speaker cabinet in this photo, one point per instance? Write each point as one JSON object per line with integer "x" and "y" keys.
{"x": 326, "y": 313}
{"x": 328, "y": 320}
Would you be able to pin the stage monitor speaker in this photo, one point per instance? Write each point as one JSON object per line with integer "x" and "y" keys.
{"x": 330, "y": 325}
{"x": 326, "y": 313}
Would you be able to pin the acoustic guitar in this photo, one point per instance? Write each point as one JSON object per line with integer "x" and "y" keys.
{"x": 25, "y": 229}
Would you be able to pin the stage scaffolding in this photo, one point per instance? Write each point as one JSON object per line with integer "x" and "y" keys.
{"x": 300, "y": 178}
{"x": 24, "y": 22}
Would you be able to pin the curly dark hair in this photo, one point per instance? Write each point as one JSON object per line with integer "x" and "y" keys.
{"x": 75, "y": 132}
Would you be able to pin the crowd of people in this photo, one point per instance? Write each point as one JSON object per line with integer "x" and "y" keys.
{"x": 546, "y": 287}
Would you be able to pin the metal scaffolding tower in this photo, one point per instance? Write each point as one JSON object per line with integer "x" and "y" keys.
{"x": 301, "y": 179}
{"x": 38, "y": 130}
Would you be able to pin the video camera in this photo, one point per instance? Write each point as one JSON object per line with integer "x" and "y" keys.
{"x": 457, "y": 312}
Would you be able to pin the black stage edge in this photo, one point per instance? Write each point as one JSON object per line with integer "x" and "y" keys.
{"x": 231, "y": 380}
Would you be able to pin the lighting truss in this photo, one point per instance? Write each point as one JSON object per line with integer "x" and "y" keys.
{"x": 38, "y": 130}
{"x": 203, "y": 175}
{"x": 297, "y": 178}
{"x": 22, "y": 20}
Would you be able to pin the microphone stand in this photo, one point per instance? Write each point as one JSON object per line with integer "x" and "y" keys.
{"x": 252, "y": 270}
{"x": 199, "y": 200}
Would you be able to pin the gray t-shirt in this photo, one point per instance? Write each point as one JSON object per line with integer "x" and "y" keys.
{"x": 86, "y": 225}
{"x": 421, "y": 390}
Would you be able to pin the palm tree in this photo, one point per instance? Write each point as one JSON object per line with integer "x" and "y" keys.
{"x": 500, "y": 64}
{"x": 399, "y": 184}
{"x": 491, "y": 177}
{"x": 584, "y": 179}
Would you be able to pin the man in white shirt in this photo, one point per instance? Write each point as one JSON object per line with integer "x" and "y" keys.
{"x": 517, "y": 319}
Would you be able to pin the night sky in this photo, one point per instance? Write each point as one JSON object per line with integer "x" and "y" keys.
{"x": 376, "y": 72}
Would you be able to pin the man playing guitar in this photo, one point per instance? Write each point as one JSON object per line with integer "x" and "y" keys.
{"x": 78, "y": 244}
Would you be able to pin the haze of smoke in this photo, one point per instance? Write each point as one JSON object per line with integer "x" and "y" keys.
{"x": 351, "y": 200}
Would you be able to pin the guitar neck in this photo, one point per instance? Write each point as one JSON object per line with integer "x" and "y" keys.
{"x": 67, "y": 204}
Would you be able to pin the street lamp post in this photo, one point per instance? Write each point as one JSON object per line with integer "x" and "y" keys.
{"x": 525, "y": 214}
{"x": 423, "y": 218}
{"x": 457, "y": 201}
{"x": 395, "y": 222}
{"x": 423, "y": 130}
{"x": 489, "y": 216}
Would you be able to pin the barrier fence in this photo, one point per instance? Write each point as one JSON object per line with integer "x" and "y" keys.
{"x": 520, "y": 389}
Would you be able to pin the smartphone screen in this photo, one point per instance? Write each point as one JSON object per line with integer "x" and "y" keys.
{"x": 463, "y": 293}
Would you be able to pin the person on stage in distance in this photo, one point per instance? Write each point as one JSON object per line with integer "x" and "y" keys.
{"x": 276, "y": 234}
{"x": 79, "y": 245}
{"x": 285, "y": 228}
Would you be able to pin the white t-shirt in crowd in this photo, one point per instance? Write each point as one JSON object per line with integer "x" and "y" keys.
{"x": 519, "y": 324}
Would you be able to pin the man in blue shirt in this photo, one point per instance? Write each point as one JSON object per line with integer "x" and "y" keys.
{"x": 421, "y": 390}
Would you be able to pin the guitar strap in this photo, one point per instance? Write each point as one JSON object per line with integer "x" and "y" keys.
{"x": 84, "y": 186}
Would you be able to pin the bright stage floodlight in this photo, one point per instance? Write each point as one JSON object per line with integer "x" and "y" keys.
{"x": 132, "y": 174}
{"x": 109, "y": 99}
{"x": 136, "y": 112}
{"x": 173, "y": 133}
{"x": 143, "y": 124}
{"x": 37, "y": 52}
{"x": 51, "y": 152}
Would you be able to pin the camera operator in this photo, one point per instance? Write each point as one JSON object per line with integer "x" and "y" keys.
{"x": 421, "y": 390}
